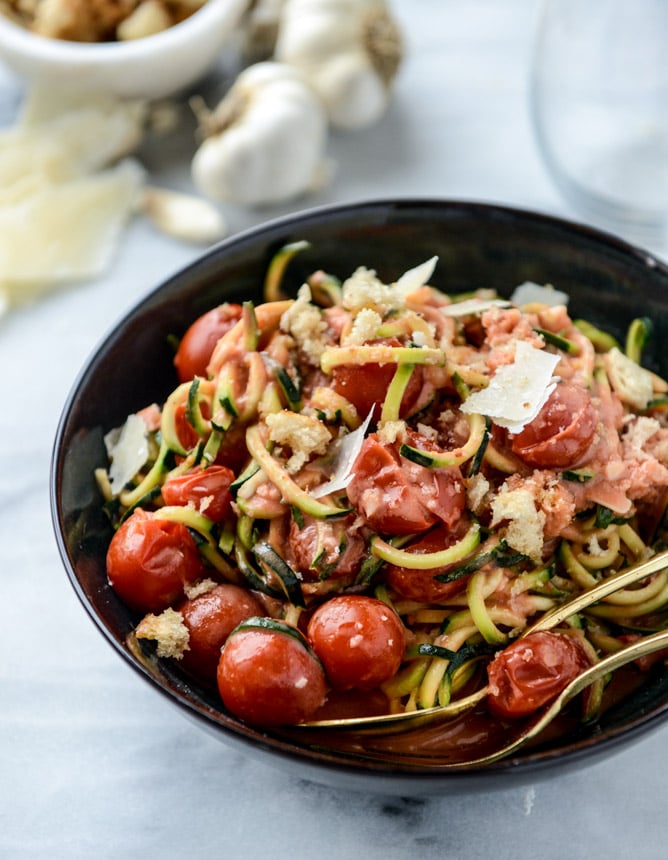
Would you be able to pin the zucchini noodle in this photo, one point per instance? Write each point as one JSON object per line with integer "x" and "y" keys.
{"x": 468, "y": 522}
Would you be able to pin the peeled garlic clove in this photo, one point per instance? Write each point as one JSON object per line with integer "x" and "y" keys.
{"x": 264, "y": 142}
{"x": 183, "y": 216}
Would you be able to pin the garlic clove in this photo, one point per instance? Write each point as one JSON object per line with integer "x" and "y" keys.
{"x": 183, "y": 216}
{"x": 353, "y": 97}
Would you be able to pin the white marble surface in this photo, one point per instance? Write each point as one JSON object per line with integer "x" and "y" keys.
{"x": 92, "y": 762}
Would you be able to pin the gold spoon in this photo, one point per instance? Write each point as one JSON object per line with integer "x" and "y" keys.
{"x": 394, "y": 723}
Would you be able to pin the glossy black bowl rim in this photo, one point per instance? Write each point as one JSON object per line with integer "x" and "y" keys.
{"x": 530, "y": 765}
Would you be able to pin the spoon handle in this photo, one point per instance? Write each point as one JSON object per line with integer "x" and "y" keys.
{"x": 640, "y": 648}
{"x": 610, "y": 585}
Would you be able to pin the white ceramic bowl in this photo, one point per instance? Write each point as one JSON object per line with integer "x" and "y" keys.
{"x": 152, "y": 67}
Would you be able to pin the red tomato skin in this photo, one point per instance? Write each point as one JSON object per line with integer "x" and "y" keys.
{"x": 360, "y": 641}
{"x": 208, "y": 489}
{"x": 532, "y": 671}
{"x": 186, "y": 433}
{"x": 398, "y": 497}
{"x": 210, "y": 618}
{"x": 149, "y": 561}
{"x": 561, "y": 433}
{"x": 269, "y": 678}
{"x": 420, "y": 585}
{"x": 365, "y": 385}
{"x": 306, "y": 539}
{"x": 197, "y": 344}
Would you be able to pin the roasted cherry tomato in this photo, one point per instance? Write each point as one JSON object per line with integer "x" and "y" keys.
{"x": 325, "y": 549}
{"x": 149, "y": 561}
{"x": 184, "y": 430}
{"x": 268, "y": 675}
{"x": 396, "y": 496}
{"x": 561, "y": 433}
{"x": 420, "y": 585}
{"x": 210, "y": 618}
{"x": 207, "y": 489}
{"x": 197, "y": 344}
{"x": 532, "y": 671}
{"x": 365, "y": 385}
{"x": 359, "y": 639}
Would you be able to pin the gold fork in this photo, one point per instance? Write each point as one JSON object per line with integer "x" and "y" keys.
{"x": 395, "y": 723}
{"x": 640, "y": 648}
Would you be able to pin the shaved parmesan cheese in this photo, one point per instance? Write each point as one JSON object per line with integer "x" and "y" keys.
{"x": 66, "y": 231}
{"x": 472, "y": 306}
{"x": 632, "y": 383}
{"x": 343, "y": 474}
{"x": 416, "y": 277}
{"x": 127, "y": 448}
{"x": 61, "y": 207}
{"x": 518, "y": 391}
{"x": 90, "y": 130}
{"x": 529, "y": 292}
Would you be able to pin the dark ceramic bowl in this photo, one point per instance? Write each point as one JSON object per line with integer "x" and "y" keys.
{"x": 609, "y": 283}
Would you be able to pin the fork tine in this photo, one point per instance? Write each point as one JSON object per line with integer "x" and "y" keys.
{"x": 609, "y": 585}
{"x": 640, "y": 648}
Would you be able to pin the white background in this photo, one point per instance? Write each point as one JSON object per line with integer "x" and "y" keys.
{"x": 92, "y": 762}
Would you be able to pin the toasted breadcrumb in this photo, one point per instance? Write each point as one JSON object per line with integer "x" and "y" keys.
{"x": 169, "y": 632}
{"x": 390, "y": 431}
{"x": 525, "y": 524}
{"x": 365, "y": 327}
{"x": 363, "y": 289}
{"x": 304, "y": 321}
{"x": 98, "y": 20}
{"x": 304, "y": 434}
{"x": 202, "y": 586}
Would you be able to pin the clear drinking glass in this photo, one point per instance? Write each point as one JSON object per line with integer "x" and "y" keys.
{"x": 599, "y": 103}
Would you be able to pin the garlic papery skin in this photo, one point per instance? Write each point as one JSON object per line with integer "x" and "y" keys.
{"x": 349, "y": 51}
{"x": 264, "y": 142}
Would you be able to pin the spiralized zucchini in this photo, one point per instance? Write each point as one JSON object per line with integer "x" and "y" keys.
{"x": 534, "y": 529}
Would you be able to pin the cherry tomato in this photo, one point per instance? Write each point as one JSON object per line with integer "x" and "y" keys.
{"x": 149, "y": 561}
{"x": 532, "y": 671}
{"x": 186, "y": 433}
{"x": 397, "y": 496}
{"x": 420, "y": 585}
{"x": 268, "y": 675}
{"x": 644, "y": 663}
{"x": 210, "y": 618}
{"x": 561, "y": 433}
{"x": 207, "y": 489}
{"x": 359, "y": 639}
{"x": 325, "y": 549}
{"x": 197, "y": 344}
{"x": 365, "y": 385}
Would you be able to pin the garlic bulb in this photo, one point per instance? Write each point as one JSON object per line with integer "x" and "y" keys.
{"x": 349, "y": 51}
{"x": 259, "y": 30}
{"x": 264, "y": 142}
